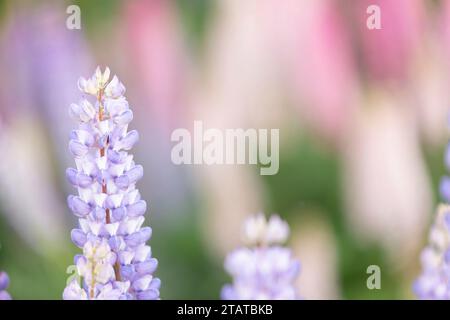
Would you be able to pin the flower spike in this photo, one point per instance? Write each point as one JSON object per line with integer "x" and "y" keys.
{"x": 116, "y": 263}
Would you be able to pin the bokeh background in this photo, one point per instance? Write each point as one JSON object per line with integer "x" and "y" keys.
{"x": 362, "y": 115}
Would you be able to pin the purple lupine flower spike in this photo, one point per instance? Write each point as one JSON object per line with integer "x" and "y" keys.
{"x": 434, "y": 281}
{"x": 4, "y": 283}
{"x": 265, "y": 270}
{"x": 116, "y": 262}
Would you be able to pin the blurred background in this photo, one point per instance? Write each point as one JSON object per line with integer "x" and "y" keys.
{"x": 362, "y": 117}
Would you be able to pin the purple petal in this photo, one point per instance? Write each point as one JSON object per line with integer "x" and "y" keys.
{"x": 445, "y": 189}
{"x": 77, "y": 149}
{"x": 124, "y": 118}
{"x": 135, "y": 174}
{"x": 5, "y": 295}
{"x": 71, "y": 175}
{"x": 83, "y": 136}
{"x": 127, "y": 272}
{"x": 146, "y": 233}
{"x": 84, "y": 180}
{"x": 78, "y": 237}
{"x": 119, "y": 213}
{"x": 99, "y": 214}
{"x": 4, "y": 281}
{"x": 116, "y": 243}
{"x": 131, "y": 176}
{"x": 137, "y": 209}
{"x": 77, "y": 257}
{"x": 447, "y": 157}
{"x": 447, "y": 256}
{"x": 115, "y": 156}
{"x": 147, "y": 267}
{"x": 155, "y": 284}
{"x": 122, "y": 182}
{"x": 134, "y": 239}
{"x": 78, "y": 206}
{"x": 447, "y": 220}
{"x": 151, "y": 294}
{"x": 129, "y": 140}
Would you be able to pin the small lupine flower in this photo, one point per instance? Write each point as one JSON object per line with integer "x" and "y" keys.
{"x": 4, "y": 283}
{"x": 116, "y": 262}
{"x": 259, "y": 231}
{"x": 265, "y": 270}
{"x": 434, "y": 282}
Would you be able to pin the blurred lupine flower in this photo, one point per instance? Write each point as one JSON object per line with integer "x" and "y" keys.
{"x": 387, "y": 198}
{"x": 313, "y": 38}
{"x": 406, "y": 22}
{"x": 4, "y": 283}
{"x": 314, "y": 244}
{"x": 259, "y": 231}
{"x": 116, "y": 263}
{"x": 265, "y": 271}
{"x": 434, "y": 282}
{"x": 156, "y": 54}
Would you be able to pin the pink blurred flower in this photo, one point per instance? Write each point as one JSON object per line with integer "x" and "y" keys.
{"x": 314, "y": 244}
{"x": 237, "y": 90}
{"x": 387, "y": 189}
{"x": 444, "y": 24}
{"x": 157, "y": 56}
{"x": 312, "y": 38}
{"x": 429, "y": 93}
{"x": 387, "y": 52}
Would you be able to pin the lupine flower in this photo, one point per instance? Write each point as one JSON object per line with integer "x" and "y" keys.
{"x": 265, "y": 270}
{"x": 381, "y": 207}
{"x": 406, "y": 20}
{"x": 434, "y": 282}
{"x": 4, "y": 283}
{"x": 116, "y": 262}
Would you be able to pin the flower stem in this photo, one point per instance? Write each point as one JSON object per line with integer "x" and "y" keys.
{"x": 104, "y": 188}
